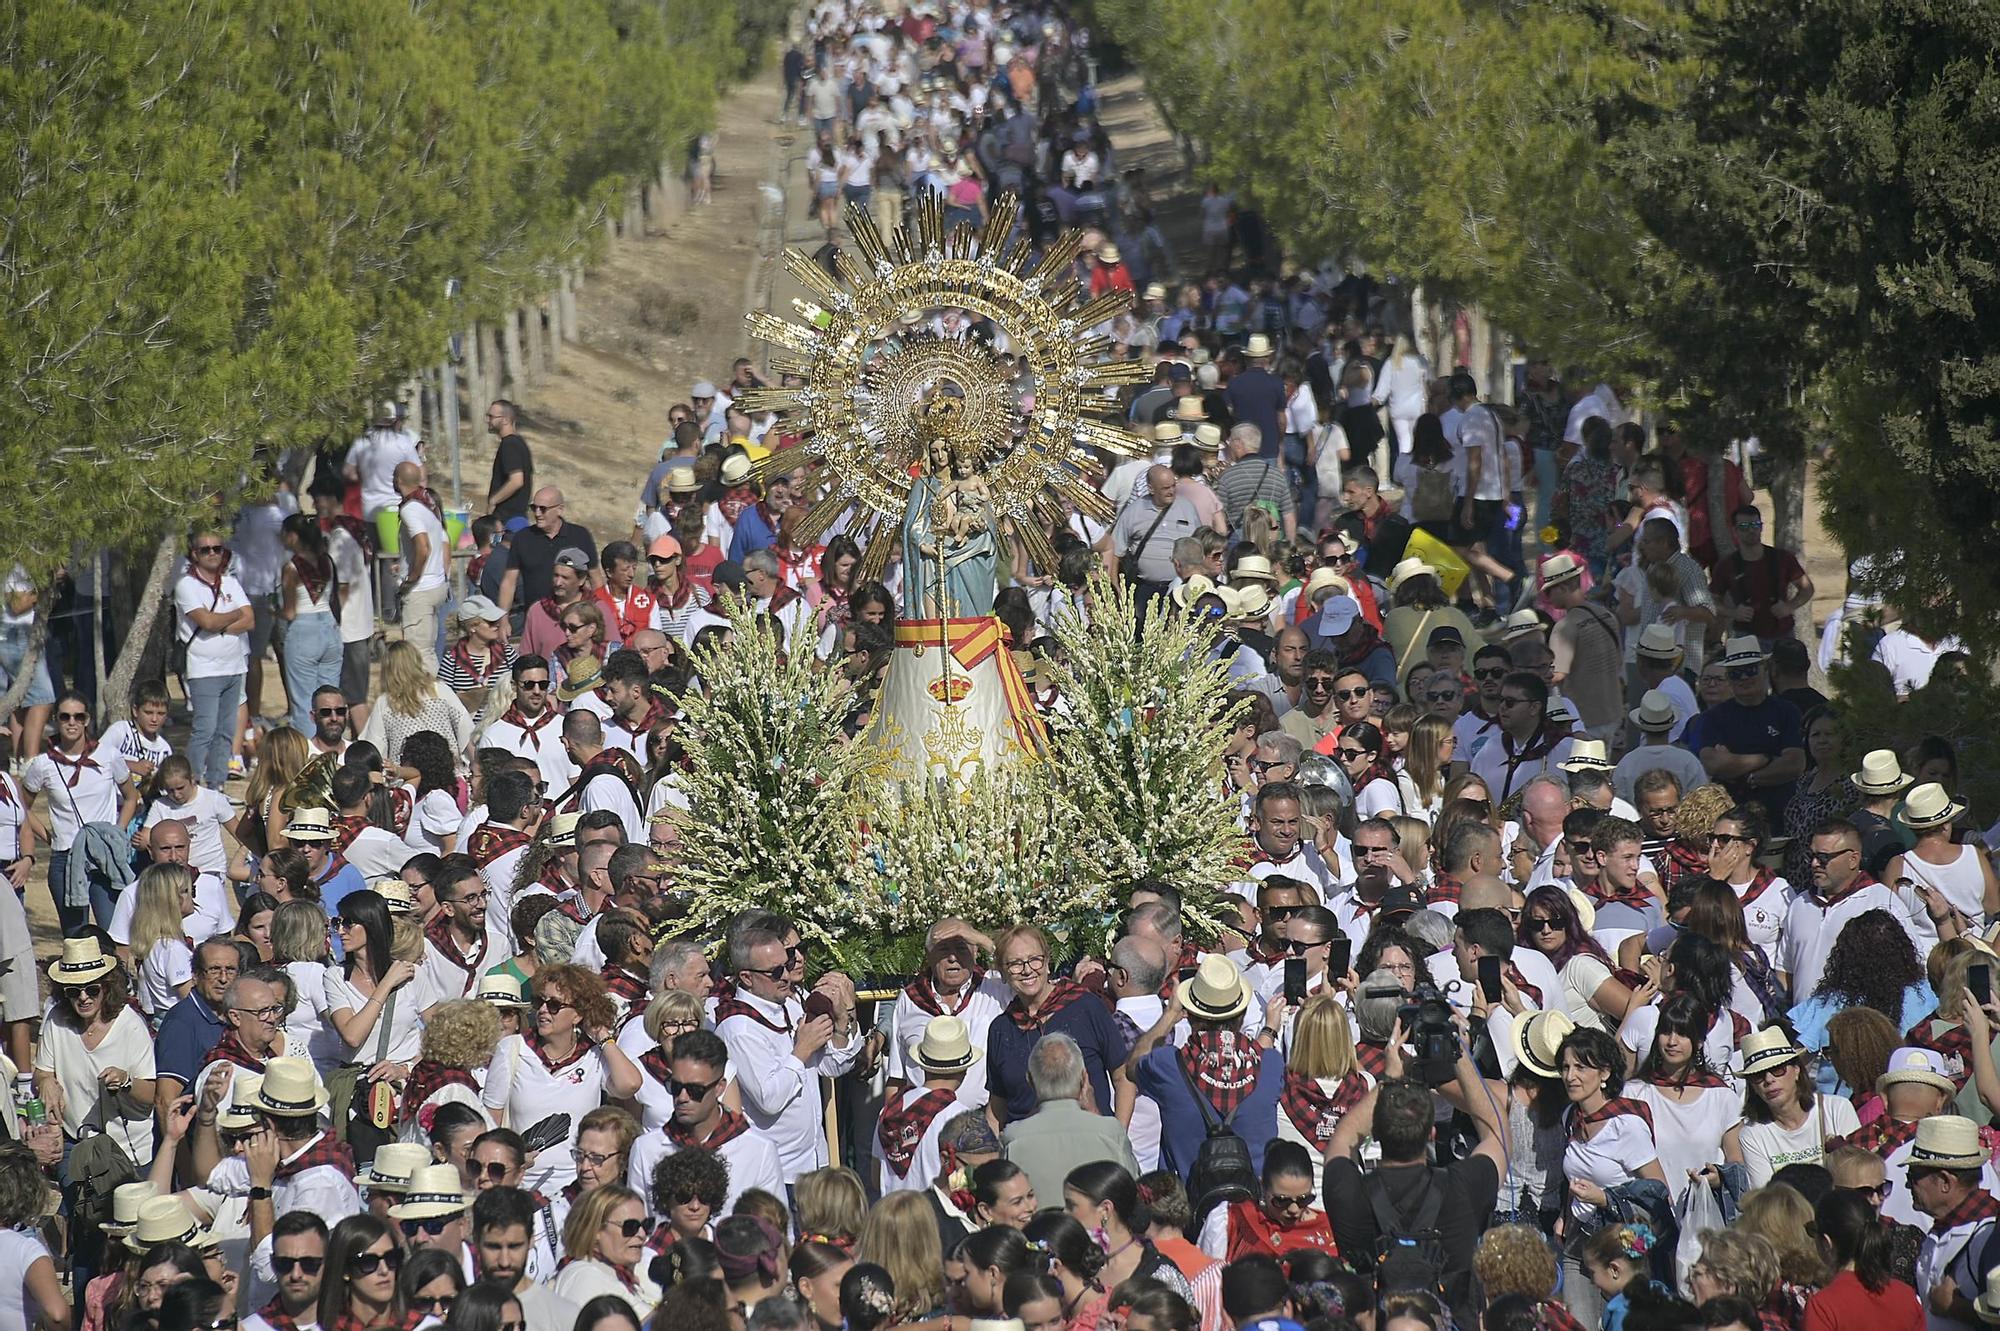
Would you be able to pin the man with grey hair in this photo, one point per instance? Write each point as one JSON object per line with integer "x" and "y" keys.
{"x": 254, "y": 1008}
{"x": 765, "y": 586}
{"x": 1277, "y": 757}
{"x": 680, "y": 963}
{"x": 1189, "y": 559}
{"x": 1248, "y": 480}
{"x": 1063, "y": 1133}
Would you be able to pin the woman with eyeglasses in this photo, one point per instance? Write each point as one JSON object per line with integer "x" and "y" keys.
{"x": 83, "y": 781}
{"x": 1553, "y": 925}
{"x": 568, "y": 1064}
{"x": 431, "y": 1281}
{"x": 484, "y": 1307}
{"x": 1733, "y": 842}
{"x": 1043, "y": 1002}
{"x": 673, "y": 1014}
{"x": 604, "y": 1249}
{"x": 1786, "y": 1119}
{"x": 358, "y": 1287}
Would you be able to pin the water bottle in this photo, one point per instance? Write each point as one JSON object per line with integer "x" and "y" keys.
{"x": 35, "y": 1113}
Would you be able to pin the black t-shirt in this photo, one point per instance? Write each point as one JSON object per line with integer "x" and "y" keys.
{"x": 1471, "y": 1185}
{"x": 511, "y": 456}
{"x": 535, "y": 555}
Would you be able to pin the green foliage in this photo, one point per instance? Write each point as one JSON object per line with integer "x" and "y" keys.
{"x": 1955, "y": 706}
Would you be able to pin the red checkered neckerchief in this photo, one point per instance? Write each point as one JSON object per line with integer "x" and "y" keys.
{"x": 1373, "y": 1057}
{"x": 923, "y": 992}
{"x": 1758, "y": 886}
{"x": 325, "y": 1150}
{"x": 445, "y": 943}
{"x": 624, "y": 1273}
{"x": 534, "y": 1042}
{"x": 531, "y": 727}
{"x": 280, "y": 1320}
{"x": 728, "y": 1127}
{"x": 1690, "y": 1080}
{"x": 1060, "y": 995}
{"x": 902, "y": 1129}
{"x": 347, "y": 1321}
{"x": 1225, "y": 1066}
{"x": 621, "y": 983}
{"x": 555, "y": 879}
{"x": 1678, "y": 863}
{"x": 656, "y": 712}
{"x": 346, "y": 827}
{"x": 1532, "y": 991}
{"x": 1773, "y": 1319}
{"x": 1977, "y": 1205}
{"x": 1604, "y": 894}
{"x": 1881, "y": 1137}
{"x": 489, "y": 841}
{"x": 1316, "y": 1112}
{"x": 1954, "y": 1043}
{"x": 1861, "y": 882}
{"x": 732, "y": 1006}
{"x": 1445, "y": 890}
{"x": 1259, "y": 957}
{"x": 1610, "y": 1109}
{"x": 229, "y": 1049}
{"x": 1554, "y": 1315}
{"x": 401, "y": 805}
{"x": 427, "y": 1078}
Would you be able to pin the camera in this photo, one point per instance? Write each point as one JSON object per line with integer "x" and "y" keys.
{"x": 1429, "y": 1026}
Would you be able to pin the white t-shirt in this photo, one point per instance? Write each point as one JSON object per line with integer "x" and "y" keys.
{"x": 436, "y": 817}
{"x": 203, "y": 816}
{"x": 418, "y": 519}
{"x": 19, "y": 1250}
{"x": 134, "y": 745}
{"x": 1689, "y": 1133}
{"x": 170, "y": 963}
{"x": 1768, "y": 1148}
{"x": 128, "y": 1045}
{"x": 211, "y": 655}
{"x": 405, "y": 1028}
{"x": 374, "y": 457}
{"x": 77, "y": 795}
{"x": 212, "y": 913}
{"x": 528, "y": 1090}
{"x": 357, "y": 589}
{"x": 309, "y": 1029}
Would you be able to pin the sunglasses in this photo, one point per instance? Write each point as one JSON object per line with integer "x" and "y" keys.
{"x": 1346, "y": 752}
{"x": 663, "y": 559}
{"x": 338, "y": 922}
{"x": 91, "y": 990}
{"x": 539, "y": 685}
{"x": 550, "y": 1004}
{"x": 572, "y": 628}
{"x": 1543, "y": 924}
{"x": 431, "y": 1225}
{"x": 330, "y": 711}
{"x": 543, "y": 508}
{"x": 768, "y": 972}
{"x": 72, "y": 716}
{"x": 633, "y": 1228}
{"x": 1349, "y": 695}
{"x": 1580, "y": 848}
{"x": 438, "y": 1305}
{"x": 368, "y": 1263}
{"x": 1822, "y": 858}
{"x": 493, "y": 1169}
{"x": 1491, "y": 672}
{"x": 1317, "y": 684}
{"x": 694, "y": 1090}
{"x": 1446, "y": 696}
{"x": 1724, "y": 838}
{"x": 1268, "y": 764}
{"x": 208, "y": 549}
{"x": 1299, "y": 947}
{"x": 1744, "y": 672}
{"x": 284, "y": 1266}
{"x": 1281, "y": 1202}
{"x": 1282, "y": 912}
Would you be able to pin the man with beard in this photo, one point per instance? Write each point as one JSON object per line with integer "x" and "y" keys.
{"x": 635, "y": 707}
{"x": 532, "y": 725}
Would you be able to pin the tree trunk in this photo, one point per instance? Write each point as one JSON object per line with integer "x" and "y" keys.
{"x": 38, "y": 636}
{"x": 510, "y": 351}
{"x": 475, "y": 386}
{"x": 133, "y": 651}
{"x": 531, "y": 341}
{"x": 635, "y": 216}
{"x": 548, "y": 312}
{"x": 564, "y": 305}
{"x": 1787, "y": 476}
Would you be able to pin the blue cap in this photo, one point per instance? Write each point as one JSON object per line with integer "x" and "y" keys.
{"x": 1178, "y": 372}
{"x": 515, "y": 524}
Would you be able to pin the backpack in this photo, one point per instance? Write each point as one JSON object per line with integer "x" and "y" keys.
{"x": 1408, "y": 1256}
{"x": 1222, "y": 1171}
{"x": 1432, "y": 499}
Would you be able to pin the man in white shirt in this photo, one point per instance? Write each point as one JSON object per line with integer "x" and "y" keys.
{"x": 212, "y": 914}
{"x": 457, "y": 944}
{"x": 298, "y": 1165}
{"x": 298, "y": 1254}
{"x": 503, "y": 1227}
{"x": 513, "y": 815}
{"x": 1601, "y": 401}
{"x": 532, "y": 727}
{"x": 373, "y": 851}
{"x": 1527, "y": 746}
{"x": 780, "y": 1052}
{"x": 606, "y": 778}
{"x": 693, "y": 1072}
{"x": 1910, "y": 657}
{"x": 1841, "y": 891}
{"x": 426, "y": 559}
{"x": 1139, "y": 970}
{"x": 374, "y": 457}
{"x": 1280, "y": 849}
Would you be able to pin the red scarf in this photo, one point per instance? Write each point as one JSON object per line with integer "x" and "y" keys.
{"x": 1061, "y": 994}
{"x": 314, "y": 574}
{"x": 76, "y": 765}
{"x": 347, "y": 1321}
{"x": 902, "y": 1129}
{"x": 735, "y": 1007}
{"x": 656, "y": 712}
{"x": 1552, "y": 1315}
{"x": 1952, "y": 1042}
{"x": 1979, "y": 1204}
{"x": 615, "y": 761}
{"x": 230, "y": 1050}
{"x": 280, "y": 1320}
{"x": 1445, "y": 890}
{"x": 531, "y": 728}
{"x": 1690, "y": 1080}
{"x": 1682, "y": 862}
{"x": 426, "y": 496}
{"x": 1882, "y": 1137}
{"x": 427, "y": 1078}
{"x": 1251, "y": 1230}
{"x": 445, "y": 942}
{"x": 346, "y": 827}
{"x": 534, "y": 1043}
{"x": 1374, "y": 1058}
{"x": 655, "y": 1065}
{"x": 489, "y": 841}
{"x": 214, "y": 588}
{"x": 324, "y": 1151}
{"x": 495, "y": 661}
{"x": 1758, "y": 886}
{"x": 922, "y": 991}
{"x": 1316, "y": 1112}
{"x": 1259, "y": 957}
{"x": 1612, "y": 1108}
{"x": 1533, "y": 992}
{"x": 727, "y": 1129}
{"x": 1225, "y": 1066}
{"x": 621, "y": 983}
{"x": 1604, "y": 894}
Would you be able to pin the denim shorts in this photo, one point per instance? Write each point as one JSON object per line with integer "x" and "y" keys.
{"x": 13, "y": 651}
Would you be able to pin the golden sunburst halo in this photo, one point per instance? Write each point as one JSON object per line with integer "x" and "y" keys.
{"x": 882, "y": 377}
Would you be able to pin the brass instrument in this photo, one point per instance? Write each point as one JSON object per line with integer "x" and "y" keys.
{"x": 312, "y": 787}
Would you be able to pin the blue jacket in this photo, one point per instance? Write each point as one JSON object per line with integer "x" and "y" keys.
{"x": 102, "y": 853}
{"x": 1183, "y": 1127}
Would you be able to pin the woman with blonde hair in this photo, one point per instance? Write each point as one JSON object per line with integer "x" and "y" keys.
{"x": 584, "y": 634}
{"x": 1403, "y": 385}
{"x": 831, "y": 1206}
{"x": 460, "y": 1035}
{"x": 901, "y": 1237}
{"x": 1784, "y": 1218}
{"x": 1412, "y": 859}
{"x": 673, "y": 1014}
{"x": 411, "y": 700}
{"x": 1323, "y": 1078}
{"x": 298, "y": 944}
{"x": 604, "y": 1247}
{"x": 481, "y": 657}
{"x": 281, "y": 756}
{"x": 1425, "y": 761}
{"x": 159, "y": 937}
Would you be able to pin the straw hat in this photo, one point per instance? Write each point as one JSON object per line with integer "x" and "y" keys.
{"x": 1155, "y": 292}
{"x": 1218, "y": 991}
{"x": 1107, "y": 253}
{"x": 585, "y": 674}
{"x": 1929, "y": 806}
{"x": 1924, "y": 1067}
{"x": 126, "y": 1199}
{"x": 167, "y": 1220}
{"x": 1191, "y": 591}
{"x": 1742, "y": 651}
{"x": 1881, "y": 774}
{"x": 1987, "y": 1305}
{"x": 434, "y": 1190}
{"x": 397, "y": 895}
{"x": 1190, "y": 408}
{"x": 1655, "y": 713}
{"x": 1257, "y": 348}
{"x": 1323, "y": 581}
{"x": 394, "y": 1166}
{"x": 501, "y": 989}
{"x": 945, "y": 1046}
{"x": 312, "y": 823}
{"x": 1254, "y": 568}
{"x": 1208, "y": 437}
{"x": 1585, "y": 908}
{"x": 1767, "y": 1049}
{"x": 240, "y": 1115}
{"x": 562, "y": 828}
{"x": 291, "y": 1089}
{"x": 1253, "y": 601}
{"x": 1559, "y": 568}
{"x": 82, "y": 961}
{"x": 681, "y": 480}
{"x": 1407, "y": 569}
{"x": 1520, "y": 624}
{"x": 1659, "y": 642}
{"x": 736, "y": 469}
{"x": 1587, "y": 755}
{"x": 1167, "y": 432}
{"x": 1537, "y": 1039}
{"x": 1947, "y": 1141}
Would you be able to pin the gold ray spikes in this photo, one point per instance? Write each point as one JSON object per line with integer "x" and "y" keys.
{"x": 849, "y": 274}
{"x": 820, "y": 516}
{"x": 1096, "y": 434}
{"x": 1060, "y": 259}
{"x": 1035, "y": 538}
{"x": 1085, "y": 499}
{"x": 754, "y": 400}
{"x": 875, "y": 545}
{"x": 768, "y": 327}
{"x": 999, "y": 224}
{"x": 867, "y": 238}
{"x": 1109, "y": 305}
{"x": 808, "y": 274}
{"x": 790, "y": 365}
{"x": 1112, "y": 373}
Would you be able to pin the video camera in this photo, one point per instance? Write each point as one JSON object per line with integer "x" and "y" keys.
{"x": 1429, "y": 1026}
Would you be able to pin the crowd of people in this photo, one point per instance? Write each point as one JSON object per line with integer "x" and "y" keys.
{"x": 1574, "y": 976}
